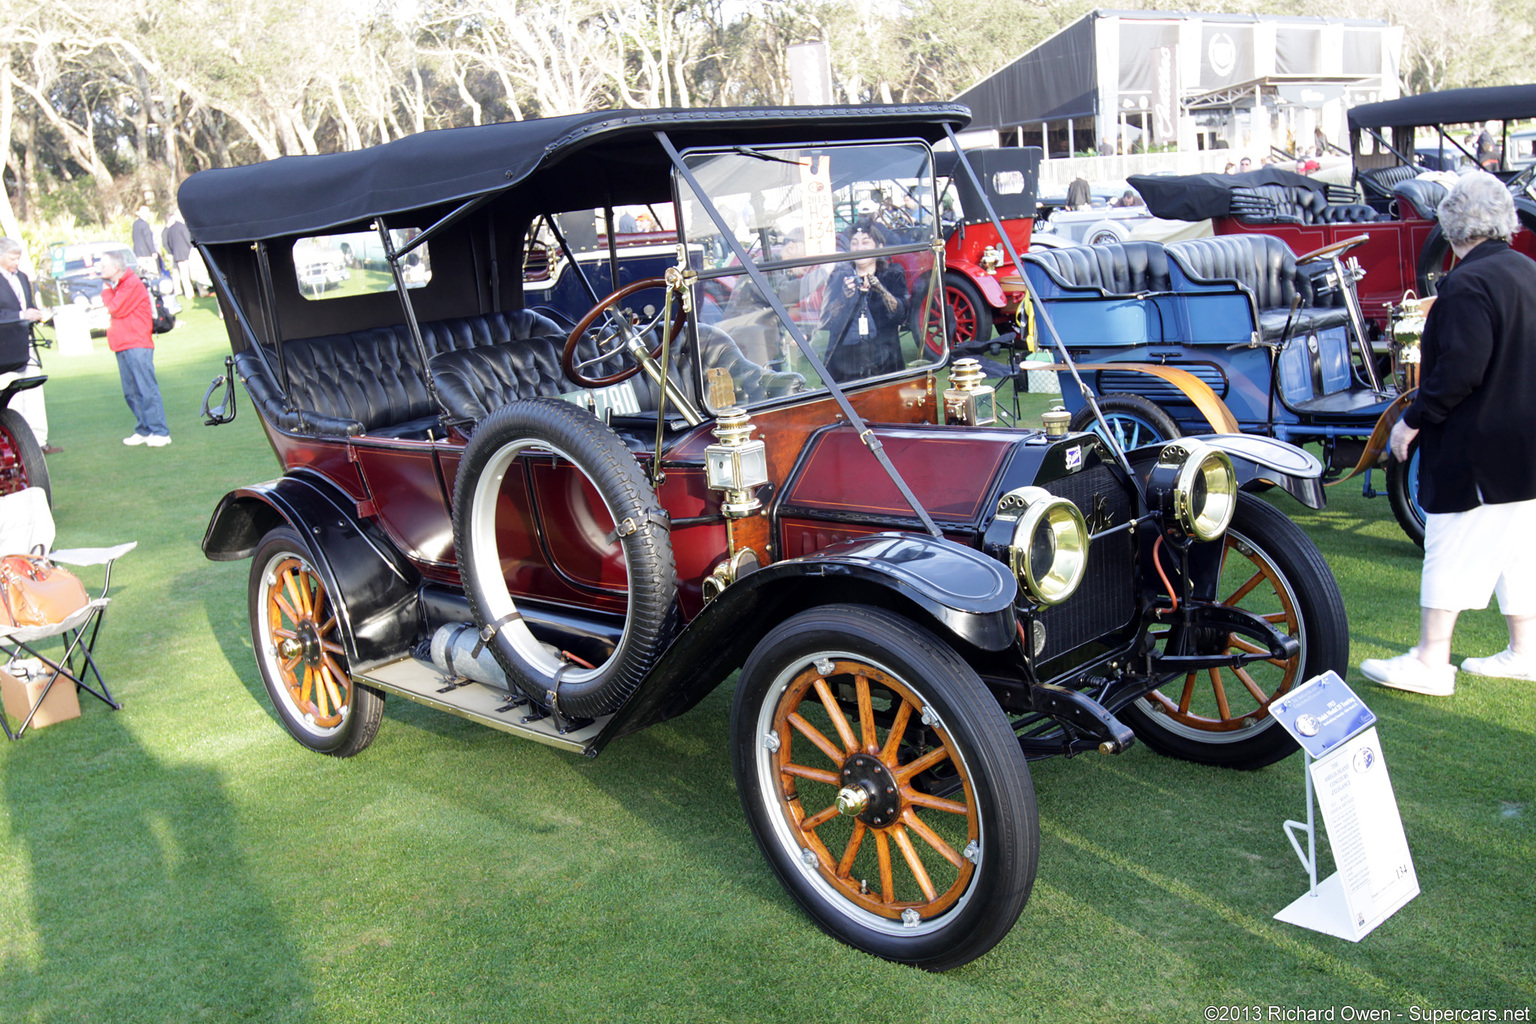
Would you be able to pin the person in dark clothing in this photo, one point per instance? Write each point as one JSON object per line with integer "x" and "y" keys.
{"x": 144, "y": 249}
{"x": 1474, "y": 418}
{"x": 18, "y": 353}
{"x": 177, "y": 241}
{"x": 864, "y": 306}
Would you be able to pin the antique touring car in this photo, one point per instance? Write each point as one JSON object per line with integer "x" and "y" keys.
{"x": 571, "y": 532}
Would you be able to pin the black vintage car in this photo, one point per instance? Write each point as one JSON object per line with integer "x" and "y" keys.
{"x": 573, "y": 531}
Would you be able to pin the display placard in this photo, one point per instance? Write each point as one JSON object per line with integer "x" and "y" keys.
{"x": 1322, "y": 713}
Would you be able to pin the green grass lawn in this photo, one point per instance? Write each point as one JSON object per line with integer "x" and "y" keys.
{"x": 185, "y": 860}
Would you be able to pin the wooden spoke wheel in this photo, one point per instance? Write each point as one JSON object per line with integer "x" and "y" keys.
{"x": 885, "y": 786}
{"x": 1271, "y": 569}
{"x": 296, "y": 631}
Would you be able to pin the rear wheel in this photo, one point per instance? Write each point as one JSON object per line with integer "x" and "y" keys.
{"x": 1403, "y": 493}
{"x": 971, "y": 316}
{"x": 885, "y": 786}
{"x": 296, "y": 633}
{"x": 1270, "y": 568}
{"x": 22, "y": 463}
{"x": 1133, "y": 421}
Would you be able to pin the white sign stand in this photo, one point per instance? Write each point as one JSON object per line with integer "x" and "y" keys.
{"x": 1375, "y": 875}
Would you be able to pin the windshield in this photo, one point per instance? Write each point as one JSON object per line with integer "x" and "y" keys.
{"x": 843, "y": 234}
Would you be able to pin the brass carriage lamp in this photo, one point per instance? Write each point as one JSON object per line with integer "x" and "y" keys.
{"x": 967, "y": 400}
{"x": 736, "y": 463}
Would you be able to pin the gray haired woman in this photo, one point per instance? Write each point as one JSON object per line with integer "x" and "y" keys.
{"x": 1475, "y": 421}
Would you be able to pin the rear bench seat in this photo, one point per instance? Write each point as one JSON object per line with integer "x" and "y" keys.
{"x": 1112, "y": 268}
{"x": 1264, "y": 267}
{"x": 1292, "y": 204}
{"x": 1419, "y": 196}
{"x": 372, "y": 381}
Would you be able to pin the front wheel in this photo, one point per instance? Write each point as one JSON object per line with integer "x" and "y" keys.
{"x": 970, "y": 314}
{"x": 1133, "y": 421}
{"x": 299, "y": 650}
{"x": 885, "y": 786}
{"x": 1269, "y": 568}
{"x": 1403, "y": 493}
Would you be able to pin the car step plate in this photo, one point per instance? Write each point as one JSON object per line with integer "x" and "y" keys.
{"x": 422, "y": 682}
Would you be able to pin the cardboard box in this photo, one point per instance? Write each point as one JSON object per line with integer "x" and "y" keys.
{"x": 20, "y": 688}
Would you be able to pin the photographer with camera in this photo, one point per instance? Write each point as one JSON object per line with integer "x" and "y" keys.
{"x": 865, "y": 306}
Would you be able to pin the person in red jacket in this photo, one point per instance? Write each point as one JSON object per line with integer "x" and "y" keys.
{"x": 131, "y": 337}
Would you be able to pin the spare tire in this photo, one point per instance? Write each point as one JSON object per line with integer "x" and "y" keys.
{"x": 572, "y": 688}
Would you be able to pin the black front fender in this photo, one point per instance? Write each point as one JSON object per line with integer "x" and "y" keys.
{"x": 1257, "y": 460}
{"x": 961, "y": 594}
{"x": 375, "y": 590}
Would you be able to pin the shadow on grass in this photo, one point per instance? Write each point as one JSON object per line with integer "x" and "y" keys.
{"x": 142, "y": 905}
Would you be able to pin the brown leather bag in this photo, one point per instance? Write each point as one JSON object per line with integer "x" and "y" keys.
{"x": 35, "y": 592}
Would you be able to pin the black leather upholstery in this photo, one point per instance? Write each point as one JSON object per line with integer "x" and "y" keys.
{"x": 1380, "y": 182}
{"x": 474, "y": 382}
{"x": 1425, "y": 197}
{"x": 1265, "y": 267}
{"x": 1116, "y": 268}
{"x": 1290, "y": 204}
{"x": 372, "y": 381}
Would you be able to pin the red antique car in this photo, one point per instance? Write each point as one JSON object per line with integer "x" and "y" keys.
{"x": 571, "y": 535}
{"x": 1404, "y": 250}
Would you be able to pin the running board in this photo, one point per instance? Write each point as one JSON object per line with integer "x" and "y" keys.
{"x": 423, "y": 683}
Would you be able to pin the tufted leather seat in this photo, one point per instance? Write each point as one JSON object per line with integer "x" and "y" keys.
{"x": 1380, "y": 183}
{"x": 372, "y": 381}
{"x": 1265, "y": 267}
{"x": 1116, "y": 268}
{"x": 1346, "y": 213}
{"x": 1423, "y": 195}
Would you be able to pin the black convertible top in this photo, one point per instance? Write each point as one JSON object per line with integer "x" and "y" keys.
{"x": 1453, "y": 106}
{"x": 1199, "y": 196}
{"x": 297, "y": 194}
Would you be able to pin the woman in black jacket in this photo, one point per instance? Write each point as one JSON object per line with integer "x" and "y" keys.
{"x": 1475, "y": 420}
{"x": 864, "y": 306}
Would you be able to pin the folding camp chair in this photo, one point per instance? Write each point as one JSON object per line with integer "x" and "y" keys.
{"x": 26, "y": 522}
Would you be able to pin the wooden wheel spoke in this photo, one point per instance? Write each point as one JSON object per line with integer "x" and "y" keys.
{"x": 284, "y": 634}
{"x": 898, "y": 730}
{"x": 883, "y": 856}
{"x": 932, "y": 838}
{"x": 331, "y": 689}
{"x": 322, "y": 709}
{"x": 336, "y": 672}
{"x": 814, "y": 734}
{"x": 866, "y": 714}
{"x": 839, "y": 720}
{"x": 285, "y": 608}
{"x": 914, "y": 863}
{"x": 1220, "y": 690}
{"x": 1246, "y": 646}
{"x": 936, "y": 803}
{"x": 1187, "y": 697}
{"x": 307, "y": 592}
{"x": 332, "y": 647}
{"x": 328, "y": 626}
{"x": 922, "y": 764}
{"x": 1252, "y": 687}
{"x": 1276, "y": 617}
{"x": 856, "y": 840}
{"x": 1246, "y": 589}
{"x": 800, "y": 771}
{"x": 815, "y": 821}
{"x": 291, "y": 665}
{"x": 308, "y": 685}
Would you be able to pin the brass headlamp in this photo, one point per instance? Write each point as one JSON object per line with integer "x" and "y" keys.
{"x": 1049, "y": 549}
{"x": 1194, "y": 485}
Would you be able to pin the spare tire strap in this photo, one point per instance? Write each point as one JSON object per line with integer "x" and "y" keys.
{"x": 490, "y": 629}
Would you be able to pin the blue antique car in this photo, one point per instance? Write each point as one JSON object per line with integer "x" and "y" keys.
{"x": 1234, "y": 333}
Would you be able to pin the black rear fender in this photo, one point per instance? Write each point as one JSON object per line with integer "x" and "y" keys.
{"x": 375, "y": 589}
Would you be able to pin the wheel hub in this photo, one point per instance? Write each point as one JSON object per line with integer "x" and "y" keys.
{"x": 870, "y": 792}
{"x": 308, "y": 642}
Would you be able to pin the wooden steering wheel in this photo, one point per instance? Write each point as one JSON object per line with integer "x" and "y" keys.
{"x": 613, "y": 342}
{"x": 1338, "y": 248}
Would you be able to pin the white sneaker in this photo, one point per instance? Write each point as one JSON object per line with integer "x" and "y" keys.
{"x": 137, "y": 439}
{"x": 158, "y": 440}
{"x": 1407, "y": 672}
{"x": 1504, "y": 665}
